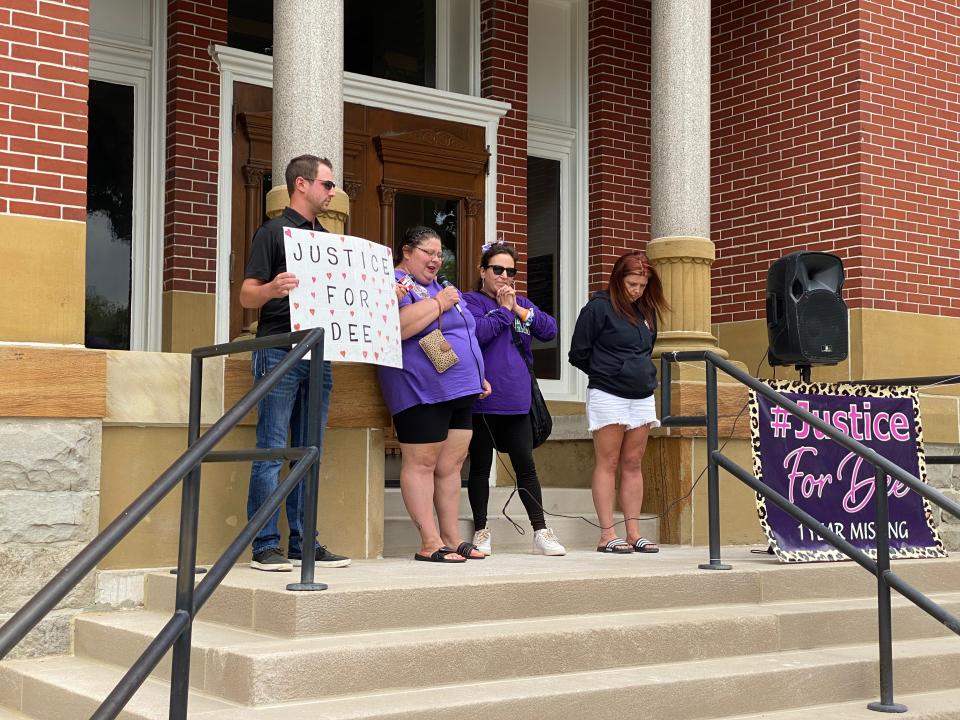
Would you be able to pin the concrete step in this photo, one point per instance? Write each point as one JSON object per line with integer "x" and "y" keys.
{"x": 246, "y": 668}
{"x": 515, "y": 636}
{"x": 755, "y": 686}
{"x": 392, "y": 594}
{"x": 761, "y": 684}
{"x": 939, "y": 705}
{"x": 70, "y": 688}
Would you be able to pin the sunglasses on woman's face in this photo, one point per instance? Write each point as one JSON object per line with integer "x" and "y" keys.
{"x": 500, "y": 270}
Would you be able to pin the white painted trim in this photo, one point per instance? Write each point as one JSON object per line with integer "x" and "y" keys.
{"x": 581, "y": 193}
{"x": 242, "y": 66}
{"x": 158, "y": 163}
{"x": 248, "y": 67}
{"x": 570, "y": 146}
{"x": 555, "y": 142}
{"x": 441, "y": 69}
{"x": 143, "y": 69}
{"x": 475, "y": 47}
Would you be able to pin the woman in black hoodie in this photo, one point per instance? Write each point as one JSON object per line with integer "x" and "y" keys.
{"x": 612, "y": 343}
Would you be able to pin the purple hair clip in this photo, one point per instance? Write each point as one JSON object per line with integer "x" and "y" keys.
{"x": 487, "y": 246}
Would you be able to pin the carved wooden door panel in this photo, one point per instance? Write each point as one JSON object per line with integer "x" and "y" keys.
{"x": 398, "y": 170}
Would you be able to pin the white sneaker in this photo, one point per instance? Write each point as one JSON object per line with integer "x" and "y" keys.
{"x": 545, "y": 542}
{"x": 481, "y": 538}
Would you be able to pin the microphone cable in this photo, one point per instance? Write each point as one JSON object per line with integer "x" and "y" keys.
{"x": 587, "y": 520}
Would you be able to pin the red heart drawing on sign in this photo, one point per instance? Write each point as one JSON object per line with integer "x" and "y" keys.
{"x": 313, "y": 295}
{"x": 380, "y": 332}
{"x": 344, "y": 275}
{"x": 351, "y": 315}
{"x": 296, "y": 306}
{"x": 376, "y": 356}
{"x": 313, "y": 278}
{"x": 313, "y": 311}
{"x": 363, "y": 277}
{"x": 296, "y": 326}
{"x": 311, "y": 234}
{"x": 329, "y": 275}
{"x": 287, "y": 232}
{"x": 364, "y": 353}
{"x": 331, "y": 315}
{"x": 392, "y": 301}
{"x": 343, "y": 353}
{"x": 385, "y": 319}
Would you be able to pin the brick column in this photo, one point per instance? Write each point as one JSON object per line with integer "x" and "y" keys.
{"x": 44, "y": 57}
{"x": 503, "y": 76}
{"x": 193, "y": 120}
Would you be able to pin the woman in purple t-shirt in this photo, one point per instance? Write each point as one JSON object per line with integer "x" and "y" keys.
{"x": 506, "y": 322}
{"x": 432, "y": 410}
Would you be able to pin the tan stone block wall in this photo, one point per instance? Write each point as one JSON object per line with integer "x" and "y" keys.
{"x": 189, "y": 320}
{"x": 351, "y": 485}
{"x": 43, "y": 293}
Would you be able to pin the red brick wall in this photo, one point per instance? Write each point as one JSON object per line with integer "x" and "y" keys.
{"x": 910, "y": 105}
{"x": 785, "y": 143}
{"x": 503, "y": 76}
{"x": 619, "y": 131}
{"x": 193, "y": 121}
{"x": 44, "y": 60}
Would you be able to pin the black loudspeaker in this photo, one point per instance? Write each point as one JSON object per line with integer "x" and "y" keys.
{"x": 806, "y": 317}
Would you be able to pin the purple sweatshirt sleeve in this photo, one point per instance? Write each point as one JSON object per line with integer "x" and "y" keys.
{"x": 489, "y": 324}
{"x": 544, "y": 327}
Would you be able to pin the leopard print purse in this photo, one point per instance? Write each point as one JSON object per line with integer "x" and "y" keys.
{"x": 437, "y": 349}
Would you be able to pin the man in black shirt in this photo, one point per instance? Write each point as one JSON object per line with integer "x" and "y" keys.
{"x": 267, "y": 285}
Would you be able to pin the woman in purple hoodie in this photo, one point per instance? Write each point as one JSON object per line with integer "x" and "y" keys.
{"x": 505, "y": 319}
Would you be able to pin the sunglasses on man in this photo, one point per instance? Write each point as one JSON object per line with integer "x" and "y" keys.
{"x": 328, "y": 185}
{"x": 500, "y": 270}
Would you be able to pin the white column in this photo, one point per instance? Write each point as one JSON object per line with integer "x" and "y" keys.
{"x": 680, "y": 247}
{"x": 307, "y": 83}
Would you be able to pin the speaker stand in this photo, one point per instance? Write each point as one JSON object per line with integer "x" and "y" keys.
{"x": 804, "y": 373}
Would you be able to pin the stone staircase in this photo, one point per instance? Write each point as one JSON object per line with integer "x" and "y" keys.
{"x": 400, "y": 537}
{"x": 522, "y": 636}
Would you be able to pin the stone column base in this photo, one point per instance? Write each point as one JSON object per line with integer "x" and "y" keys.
{"x": 334, "y": 218}
{"x": 683, "y": 264}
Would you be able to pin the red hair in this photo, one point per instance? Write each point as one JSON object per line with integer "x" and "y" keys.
{"x": 652, "y": 304}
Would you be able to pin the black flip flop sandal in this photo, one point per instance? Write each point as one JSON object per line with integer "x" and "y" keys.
{"x": 439, "y": 556}
{"x": 466, "y": 548}
{"x": 642, "y": 545}
{"x": 617, "y": 546}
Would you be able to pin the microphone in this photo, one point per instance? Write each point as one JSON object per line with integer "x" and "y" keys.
{"x": 442, "y": 279}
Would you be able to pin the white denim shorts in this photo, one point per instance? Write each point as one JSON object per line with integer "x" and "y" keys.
{"x": 605, "y": 409}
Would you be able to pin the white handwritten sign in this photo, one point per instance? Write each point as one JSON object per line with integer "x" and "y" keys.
{"x": 346, "y": 287}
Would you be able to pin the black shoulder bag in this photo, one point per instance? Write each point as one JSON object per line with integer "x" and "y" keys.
{"x": 540, "y": 419}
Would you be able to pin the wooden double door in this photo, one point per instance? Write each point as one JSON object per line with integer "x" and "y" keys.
{"x": 399, "y": 170}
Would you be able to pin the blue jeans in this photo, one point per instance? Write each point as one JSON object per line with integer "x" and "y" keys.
{"x": 283, "y": 411}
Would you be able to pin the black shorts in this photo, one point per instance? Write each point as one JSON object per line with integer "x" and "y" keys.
{"x": 429, "y": 423}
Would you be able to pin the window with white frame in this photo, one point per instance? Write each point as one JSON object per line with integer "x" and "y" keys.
{"x": 552, "y": 278}
{"x": 124, "y": 208}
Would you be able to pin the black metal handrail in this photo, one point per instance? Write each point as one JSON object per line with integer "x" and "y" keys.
{"x": 190, "y": 598}
{"x": 880, "y": 567}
